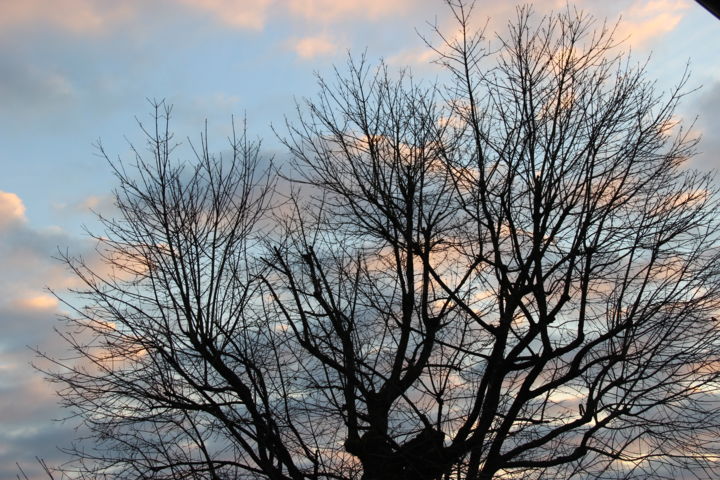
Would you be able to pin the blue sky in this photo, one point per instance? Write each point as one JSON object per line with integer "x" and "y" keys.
{"x": 75, "y": 71}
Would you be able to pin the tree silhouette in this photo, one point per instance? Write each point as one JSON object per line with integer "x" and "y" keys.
{"x": 508, "y": 275}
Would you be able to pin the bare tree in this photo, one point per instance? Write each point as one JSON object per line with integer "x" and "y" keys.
{"x": 512, "y": 275}
{"x": 171, "y": 354}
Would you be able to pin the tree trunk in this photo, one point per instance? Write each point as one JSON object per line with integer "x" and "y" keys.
{"x": 420, "y": 458}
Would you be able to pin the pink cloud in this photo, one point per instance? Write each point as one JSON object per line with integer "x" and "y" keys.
{"x": 254, "y": 14}
{"x": 412, "y": 57}
{"x": 12, "y": 210}
{"x": 249, "y": 14}
{"x": 645, "y": 21}
{"x": 80, "y": 16}
{"x": 314, "y": 46}
{"x": 26, "y": 256}
{"x": 95, "y": 16}
{"x": 37, "y": 302}
{"x": 332, "y": 10}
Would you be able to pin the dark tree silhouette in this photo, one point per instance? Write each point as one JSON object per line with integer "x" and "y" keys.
{"x": 509, "y": 275}
{"x": 710, "y": 6}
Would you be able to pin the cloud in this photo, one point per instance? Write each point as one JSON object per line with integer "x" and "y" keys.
{"x": 12, "y": 210}
{"x": 642, "y": 22}
{"x": 41, "y": 301}
{"x": 28, "y": 408}
{"x": 78, "y": 16}
{"x": 100, "y": 16}
{"x": 645, "y": 21}
{"x": 334, "y": 10}
{"x": 93, "y": 202}
{"x": 254, "y": 14}
{"x": 25, "y": 87}
{"x": 28, "y": 313}
{"x": 490, "y": 17}
{"x": 413, "y": 57}
{"x": 246, "y": 14}
{"x": 101, "y": 204}
{"x": 314, "y": 46}
{"x": 26, "y": 254}
{"x": 708, "y": 103}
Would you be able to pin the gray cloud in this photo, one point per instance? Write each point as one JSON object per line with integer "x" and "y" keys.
{"x": 28, "y": 315}
{"x": 28, "y": 405}
{"x": 21, "y": 83}
{"x": 29, "y": 409}
{"x": 708, "y": 104}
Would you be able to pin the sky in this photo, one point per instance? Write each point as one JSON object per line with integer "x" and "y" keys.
{"x": 73, "y": 72}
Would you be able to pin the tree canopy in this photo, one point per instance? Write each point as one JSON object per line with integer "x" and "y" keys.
{"x": 508, "y": 274}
